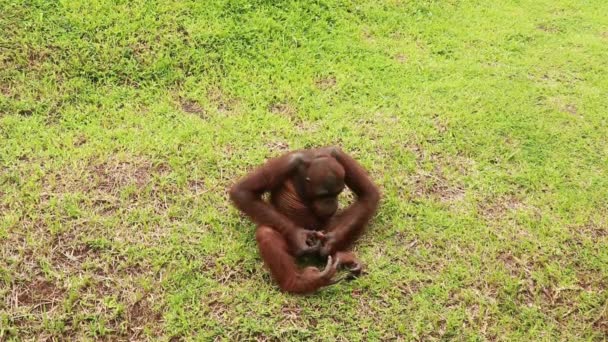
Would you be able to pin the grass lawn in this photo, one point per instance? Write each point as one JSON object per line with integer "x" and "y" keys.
{"x": 123, "y": 123}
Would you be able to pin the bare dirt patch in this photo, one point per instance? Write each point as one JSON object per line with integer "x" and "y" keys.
{"x": 555, "y": 78}
{"x": 216, "y": 307}
{"x": 226, "y": 274}
{"x": 434, "y": 184}
{"x": 283, "y": 108}
{"x": 5, "y": 90}
{"x": 594, "y": 230}
{"x": 37, "y": 57}
{"x": 80, "y": 140}
{"x": 549, "y": 28}
{"x": 367, "y": 35}
{"x": 499, "y": 207}
{"x": 562, "y": 300}
{"x": 197, "y": 186}
{"x": 572, "y": 109}
{"x": 440, "y": 124}
{"x": 112, "y": 175}
{"x": 140, "y": 314}
{"x": 85, "y": 266}
{"x": 401, "y": 58}
{"x": 410, "y": 288}
{"x": 277, "y": 147}
{"x": 560, "y": 103}
{"x": 222, "y": 102}
{"x": 106, "y": 177}
{"x": 325, "y": 83}
{"x": 70, "y": 254}
{"x": 513, "y": 264}
{"x": 96, "y": 279}
{"x": 38, "y": 293}
{"x": 305, "y": 127}
{"x": 192, "y": 107}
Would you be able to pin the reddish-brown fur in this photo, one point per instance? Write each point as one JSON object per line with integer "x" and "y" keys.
{"x": 301, "y": 216}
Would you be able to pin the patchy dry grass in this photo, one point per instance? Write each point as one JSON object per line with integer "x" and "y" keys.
{"x": 122, "y": 124}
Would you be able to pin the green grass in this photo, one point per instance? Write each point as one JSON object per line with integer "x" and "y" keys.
{"x": 123, "y": 123}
